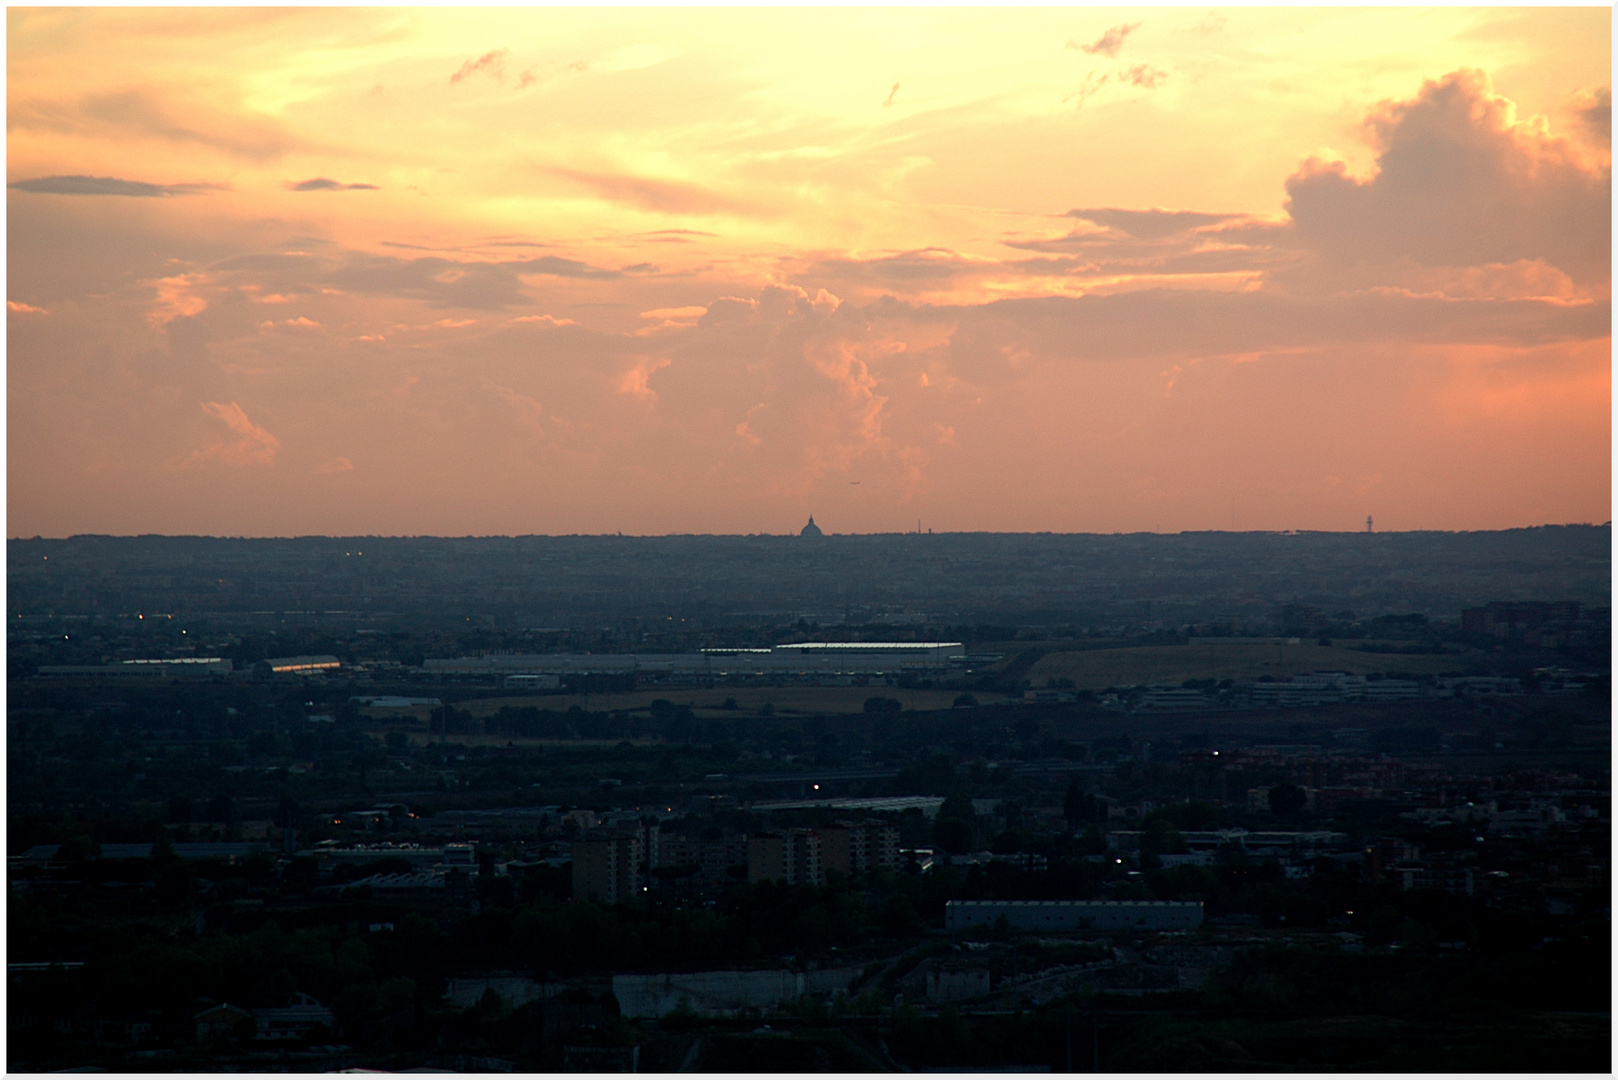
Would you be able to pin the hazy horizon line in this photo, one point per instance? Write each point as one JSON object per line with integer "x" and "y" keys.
{"x": 793, "y": 535}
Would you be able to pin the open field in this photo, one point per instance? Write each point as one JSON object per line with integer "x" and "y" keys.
{"x": 421, "y": 738}
{"x": 709, "y": 702}
{"x": 1170, "y": 665}
{"x": 706, "y": 703}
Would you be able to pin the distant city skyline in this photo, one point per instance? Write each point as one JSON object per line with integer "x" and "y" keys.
{"x": 284, "y": 272}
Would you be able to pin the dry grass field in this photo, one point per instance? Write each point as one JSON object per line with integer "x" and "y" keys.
{"x": 787, "y": 700}
{"x": 417, "y": 714}
{"x": 421, "y": 738}
{"x": 1170, "y": 665}
{"x": 706, "y": 702}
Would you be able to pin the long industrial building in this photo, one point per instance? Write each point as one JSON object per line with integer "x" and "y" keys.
{"x": 802, "y": 658}
{"x": 1074, "y": 914}
{"x": 167, "y": 668}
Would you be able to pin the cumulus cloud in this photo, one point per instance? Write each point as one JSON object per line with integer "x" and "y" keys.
{"x": 178, "y": 297}
{"x": 1109, "y": 43}
{"x": 335, "y": 465}
{"x": 636, "y": 380}
{"x": 798, "y": 388}
{"x": 252, "y": 446}
{"x": 299, "y": 323}
{"x": 1592, "y": 111}
{"x": 1465, "y": 200}
{"x": 1459, "y": 181}
{"x": 321, "y": 183}
{"x": 529, "y": 413}
{"x": 108, "y": 185}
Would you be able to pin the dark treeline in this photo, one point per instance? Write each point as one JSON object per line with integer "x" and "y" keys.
{"x": 1007, "y": 577}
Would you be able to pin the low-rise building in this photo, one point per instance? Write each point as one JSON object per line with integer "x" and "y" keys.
{"x": 220, "y": 1022}
{"x": 295, "y": 1020}
{"x": 1392, "y": 690}
{"x": 421, "y": 859}
{"x": 180, "y": 667}
{"x": 1283, "y": 844}
{"x": 298, "y": 665}
{"x": 1160, "y": 698}
{"x": 223, "y": 851}
{"x": 955, "y": 982}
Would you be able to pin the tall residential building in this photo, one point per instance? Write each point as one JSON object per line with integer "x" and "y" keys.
{"x": 851, "y": 847}
{"x": 790, "y": 855}
{"x": 803, "y": 856}
{"x": 704, "y": 865}
{"x": 843, "y": 848}
{"x": 607, "y": 865}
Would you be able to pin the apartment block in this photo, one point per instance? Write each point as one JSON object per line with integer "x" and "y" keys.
{"x": 790, "y": 855}
{"x": 850, "y": 847}
{"x": 608, "y": 865}
{"x": 697, "y": 867}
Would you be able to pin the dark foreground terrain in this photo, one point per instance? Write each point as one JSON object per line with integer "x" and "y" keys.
{"x": 1403, "y": 863}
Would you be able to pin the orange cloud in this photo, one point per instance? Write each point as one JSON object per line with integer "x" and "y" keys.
{"x": 255, "y": 446}
{"x": 675, "y": 313}
{"x": 529, "y": 411}
{"x": 491, "y": 63}
{"x": 634, "y": 381}
{"x": 299, "y": 323}
{"x": 177, "y": 298}
{"x": 1459, "y": 181}
{"x": 666, "y": 196}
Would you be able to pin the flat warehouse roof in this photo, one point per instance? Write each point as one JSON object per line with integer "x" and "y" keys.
{"x": 1073, "y": 903}
{"x": 872, "y": 646}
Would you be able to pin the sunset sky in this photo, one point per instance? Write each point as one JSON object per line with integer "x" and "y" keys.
{"x": 442, "y": 271}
